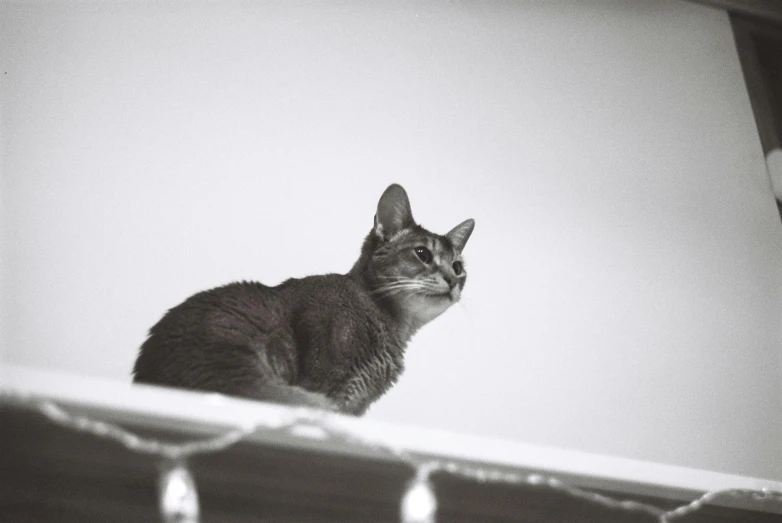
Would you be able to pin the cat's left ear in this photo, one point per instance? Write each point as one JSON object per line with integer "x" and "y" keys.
{"x": 393, "y": 212}
{"x": 460, "y": 234}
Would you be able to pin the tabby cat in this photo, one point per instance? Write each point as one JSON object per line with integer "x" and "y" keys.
{"x": 331, "y": 341}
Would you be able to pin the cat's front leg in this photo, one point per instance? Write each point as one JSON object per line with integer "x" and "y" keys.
{"x": 353, "y": 397}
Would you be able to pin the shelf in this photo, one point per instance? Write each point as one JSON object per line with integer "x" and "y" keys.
{"x": 58, "y": 474}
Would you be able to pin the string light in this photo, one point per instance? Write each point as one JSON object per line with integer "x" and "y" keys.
{"x": 178, "y": 497}
{"x": 419, "y": 503}
{"x": 177, "y": 494}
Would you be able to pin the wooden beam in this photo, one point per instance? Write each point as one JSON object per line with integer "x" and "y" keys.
{"x": 767, "y": 10}
{"x": 758, "y": 87}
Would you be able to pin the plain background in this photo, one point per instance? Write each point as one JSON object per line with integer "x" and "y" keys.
{"x": 625, "y": 274}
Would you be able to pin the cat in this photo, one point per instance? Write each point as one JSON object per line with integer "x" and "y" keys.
{"x": 332, "y": 341}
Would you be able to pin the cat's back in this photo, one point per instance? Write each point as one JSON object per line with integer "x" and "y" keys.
{"x": 195, "y": 333}
{"x": 331, "y": 292}
{"x": 251, "y": 314}
{"x": 225, "y": 307}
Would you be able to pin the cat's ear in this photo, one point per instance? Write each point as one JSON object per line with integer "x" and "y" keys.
{"x": 460, "y": 234}
{"x": 393, "y": 212}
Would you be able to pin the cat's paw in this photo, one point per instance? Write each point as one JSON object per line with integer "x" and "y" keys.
{"x": 325, "y": 403}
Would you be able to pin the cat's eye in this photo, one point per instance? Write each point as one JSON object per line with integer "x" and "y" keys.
{"x": 458, "y": 268}
{"x": 424, "y": 254}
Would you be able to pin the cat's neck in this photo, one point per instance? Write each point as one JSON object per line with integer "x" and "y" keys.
{"x": 359, "y": 270}
{"x": 401, "y": 321}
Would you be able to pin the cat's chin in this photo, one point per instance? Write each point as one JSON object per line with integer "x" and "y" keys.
{"x": 432, "y": 305}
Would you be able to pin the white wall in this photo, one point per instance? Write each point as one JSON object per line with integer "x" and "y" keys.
{"x": 625, "y": 283}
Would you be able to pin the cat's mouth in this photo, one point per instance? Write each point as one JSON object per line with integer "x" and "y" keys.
{"x": 453, "y": 295}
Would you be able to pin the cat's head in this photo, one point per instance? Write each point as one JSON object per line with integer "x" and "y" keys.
{"x": 418, "y": 272}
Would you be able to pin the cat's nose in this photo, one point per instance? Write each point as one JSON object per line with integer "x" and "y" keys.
{"x": 451, "y": 281}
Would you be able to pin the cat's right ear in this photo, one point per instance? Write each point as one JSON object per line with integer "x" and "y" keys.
{"x": 393, "y": 212}
{"x": 460, "y": 234}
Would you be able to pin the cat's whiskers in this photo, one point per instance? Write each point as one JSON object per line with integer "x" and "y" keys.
{"x": 384, "y": 293}
{"x": 398, "y": 286}
{"x": 415, "y": 294}
{"x": 433, "y": 286}
{"x": 411, "y": 289}
{"x": 397, "y": 279}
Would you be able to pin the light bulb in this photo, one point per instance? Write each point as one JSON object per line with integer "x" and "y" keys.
{"x": 178, "y": 496}
{"x": 419, "y": 503}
